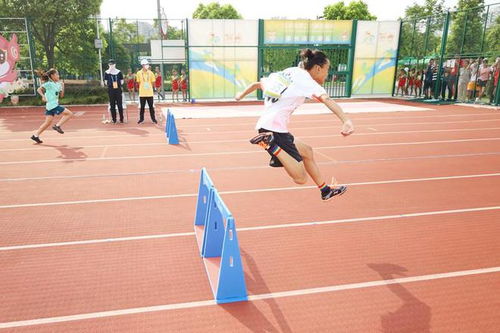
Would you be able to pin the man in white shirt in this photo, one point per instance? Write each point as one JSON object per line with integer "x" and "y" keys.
{"x": 284, "y": 92}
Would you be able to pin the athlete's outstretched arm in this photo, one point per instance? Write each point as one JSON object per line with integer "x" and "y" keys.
{"x": 347, "y": 127}
{"x": 250, "y": 89}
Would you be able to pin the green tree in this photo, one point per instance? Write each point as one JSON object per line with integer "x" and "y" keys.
{"x": 466, "y": 29}
{"x": 493, "y": 36}
{"x": 356, "y": 10}
{"x": 75, "y": 52}
{"x": 53, "y": 22}
{"x": 172, "y": 31}
{"x": 215, "y": 11}
{"x": 125, "y": 32}
{"x": 429, "y": 8}
{"x": 420, "y": 33}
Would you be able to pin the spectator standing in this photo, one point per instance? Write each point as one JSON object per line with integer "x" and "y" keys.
{"x": 428, "y": 86}
{"x": 146, "y": 79}
{"x": 471, "y": 86}
{"x": 159, "y": 83}
{"x": 484, "y": 73}
{"x": 130, "y": 85}
{"x": 113, "y": 79}
{"x": 463, "y": 79}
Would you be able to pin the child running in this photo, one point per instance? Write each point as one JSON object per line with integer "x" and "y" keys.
{"x": 50, "y": 91}
{"x": 284, "y": 92}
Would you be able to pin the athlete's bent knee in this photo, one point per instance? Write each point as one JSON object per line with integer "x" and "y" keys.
{"x": 307, "y": 153}
{"x": 301, "y": 181}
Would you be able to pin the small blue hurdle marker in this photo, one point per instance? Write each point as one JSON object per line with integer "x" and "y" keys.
{"x": 171, "y": 129}
{"x": 217, "y": 239}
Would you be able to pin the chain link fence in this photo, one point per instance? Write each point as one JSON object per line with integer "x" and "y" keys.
{"x": 462, "y": 43}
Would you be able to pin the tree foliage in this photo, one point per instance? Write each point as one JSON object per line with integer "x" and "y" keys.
{"x": 429, "y": 8}
{"x": 466, "y": 28}
{"x": 57, "y": 27}
{"x": 356, "y": 10}
{"x": 215, "y": 11}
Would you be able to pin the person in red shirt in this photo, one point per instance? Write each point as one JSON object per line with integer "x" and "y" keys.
{"x": 418, "y": 83}
{"x": 175, "y": 86}
{"x": 159, "y": 83}
{"x": 496, "y": 74}
{"x": 401, "y": 82}
{"x": 184, "y": 85}
{"x": 411, "y": 82}
{"x": 130, "y": 78}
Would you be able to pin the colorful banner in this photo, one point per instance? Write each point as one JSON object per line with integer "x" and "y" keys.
{"x": 307, "y": 32}
{"x": 9, "y": 55}
{"x": 223, "y": 32}
{"x": 375, "y": 57}
{"x": 228, "y": 67}
{"x": 221, "y": 72}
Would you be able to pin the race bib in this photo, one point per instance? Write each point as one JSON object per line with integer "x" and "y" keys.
{"x": 115, "y": 85}
{"x": 147, "y": 85}
{"x": 275, "y": 85}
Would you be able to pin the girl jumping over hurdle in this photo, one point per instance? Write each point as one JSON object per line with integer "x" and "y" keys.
{"x": 50, "y": 91}
{"x": 284, "y": 92}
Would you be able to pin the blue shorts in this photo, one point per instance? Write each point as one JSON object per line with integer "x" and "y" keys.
{"x": 55, "y": 111}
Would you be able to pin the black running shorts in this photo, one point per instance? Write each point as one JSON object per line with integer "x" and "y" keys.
{"x": 286, "y": 142}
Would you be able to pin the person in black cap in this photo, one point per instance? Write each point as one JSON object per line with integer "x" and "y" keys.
{"x": 113, "y": 78}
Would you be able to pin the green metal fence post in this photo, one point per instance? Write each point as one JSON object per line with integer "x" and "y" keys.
{"x": 111, "y": 43}
{"x": 497, "y": 96}
{"x": 464, "y": 34}
{"x": 186, "y": 45}
{"x": 484, "y": 29}
{"x": 426, "y": 42}
{"x": 260, "y": 55}
{"x": 137, "y": 42}
{"x": 437, "y": 87}
{"x": 397, "y": 56}
{"x": 413, "y": 38}
{"x": 350, "y": 58}
{"x": 32, "y": 52}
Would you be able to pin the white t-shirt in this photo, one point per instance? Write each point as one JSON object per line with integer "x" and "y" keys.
{"x": 283, "y": 93}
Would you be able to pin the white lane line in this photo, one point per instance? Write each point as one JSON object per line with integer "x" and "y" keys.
{"x": 150, "y": 135}
{"x": 325, "y": 156}
{"x": 104, "y": 151}
{"x": 325, "y": 118}
{"x": 185, "y": 133}
{"x": 252, "y": 298}
{"x": 272, "y": 189}
{"x": 254, "y": 151}
{"x": 162, "y": 143}
{"x": 264, "y": 227}
{"x": 251, "y": 167}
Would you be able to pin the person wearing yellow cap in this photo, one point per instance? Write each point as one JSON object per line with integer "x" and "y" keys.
{"x": 146, "y": 79}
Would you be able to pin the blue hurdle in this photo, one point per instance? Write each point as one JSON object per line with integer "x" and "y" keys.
{"x": 217, "y": 240}
{"x": 171, "y": 129}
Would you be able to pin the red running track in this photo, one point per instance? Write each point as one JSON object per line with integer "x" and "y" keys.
{"x": 96, "y": 226}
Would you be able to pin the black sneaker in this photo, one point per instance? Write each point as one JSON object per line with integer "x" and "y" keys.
{"x": 36, "y": 139}
{"x": 140, "y": 121}
{"x": 155, "y": 122}
{"x": 58, "y": 129}
{"x": 339, "y": 190}
{"x": 262, "y": 139}
{"x": 121, "y": 121}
